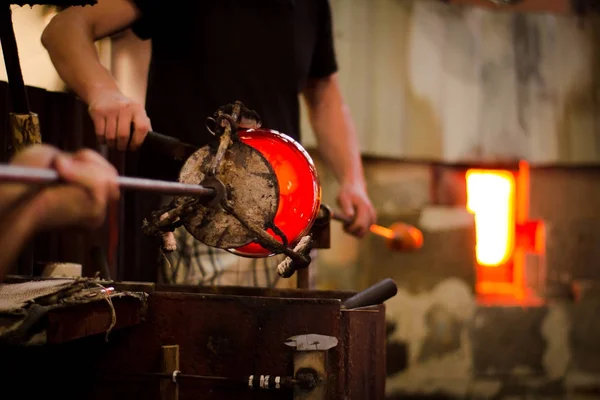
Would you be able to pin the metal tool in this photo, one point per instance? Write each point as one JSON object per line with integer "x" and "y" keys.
{"x": 399, "y": 236}
{"x": 247, "y": 198}
{"x": 375, "y": 294}
{"x": 252, "y": 381}
{"x": 158, "y": 143}
{"x": 310, "y": 364}
{"x": 247, "y": 190}
{"x": 43, "y": 176}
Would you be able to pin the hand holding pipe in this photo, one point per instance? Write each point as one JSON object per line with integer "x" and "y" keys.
{"x": 44, "y": 176}
{"x": 399, "y": 236}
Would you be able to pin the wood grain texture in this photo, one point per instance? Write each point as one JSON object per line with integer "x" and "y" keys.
{"x": 169, "y": 390}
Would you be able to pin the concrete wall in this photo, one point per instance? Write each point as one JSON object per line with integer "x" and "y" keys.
{"x": 428, "y": 80}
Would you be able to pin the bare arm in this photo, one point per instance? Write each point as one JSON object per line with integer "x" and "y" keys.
{"x": 334, "y": 130}
{"x": 338, "y": 145}
{"x": 69, "y": 39}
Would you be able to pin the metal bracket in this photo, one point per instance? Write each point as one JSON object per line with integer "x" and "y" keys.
{"x": 310, "y": 365}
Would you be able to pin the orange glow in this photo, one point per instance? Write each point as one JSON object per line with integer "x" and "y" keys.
{"x": 382, "y": 231}
{"x": 491, "y": 198}
{"x": 299, "y": 187}
{"x": 400, "y": 236}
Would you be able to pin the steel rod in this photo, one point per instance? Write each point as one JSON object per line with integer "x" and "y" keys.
{"x": 286, "y": 382}
{"x": 375, "y": 229}
{"x": 42, "y": 176}
{"x": 160, "y": 375}
{"x": 399, "y": 237}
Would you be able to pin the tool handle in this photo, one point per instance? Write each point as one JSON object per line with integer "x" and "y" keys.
{"x": 338, "y": 216}
{"x": 162, "y": 144}
{"x": 399, "y": 237}
{"x": 376, "y": 294}
{"x": 43, "y": 176}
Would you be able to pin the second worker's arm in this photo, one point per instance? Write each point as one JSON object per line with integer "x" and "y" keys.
{"x": 70, "y": 41}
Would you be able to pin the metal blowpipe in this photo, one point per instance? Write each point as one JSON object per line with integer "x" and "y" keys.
{"x": 42, "y": 176}
{"x": 399, "y": 237}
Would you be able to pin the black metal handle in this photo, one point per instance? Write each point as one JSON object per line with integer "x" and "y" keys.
{"x": 376, "y": 294}
{"x": 338, "y": 216}
{"x": 162, "y": 144}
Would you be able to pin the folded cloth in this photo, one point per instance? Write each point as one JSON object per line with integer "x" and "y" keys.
{"x": 15, "y": 296}
{"x": 24, "y": 305}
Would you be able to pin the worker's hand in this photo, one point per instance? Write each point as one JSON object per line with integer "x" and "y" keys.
{"x": 114, "y": 115}
{"x": 354, "y": 202}
{"x": 14, "y": 194}
{"x": 90, "y": 184}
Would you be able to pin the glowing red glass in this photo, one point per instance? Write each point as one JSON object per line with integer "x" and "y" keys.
{"x": 299, "y": 187}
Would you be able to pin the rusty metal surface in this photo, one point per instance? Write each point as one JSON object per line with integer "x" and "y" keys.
{"x": 252, "y": 188}
{"x": 257, "y": 291}
{"x": 364, "y": 352}
{"x": 321, "y": 229}
{"x": 303, "y": 278}
{"x": 218, "y": 335}
{"x": 76, "y": 322}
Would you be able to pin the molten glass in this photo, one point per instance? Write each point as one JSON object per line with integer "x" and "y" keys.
{"x": 299, "y": 187}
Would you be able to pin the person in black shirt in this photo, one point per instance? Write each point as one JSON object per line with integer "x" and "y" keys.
{"x": 208, "y": 53}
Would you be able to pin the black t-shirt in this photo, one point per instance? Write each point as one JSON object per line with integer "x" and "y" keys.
{"x": 207, "y": 53}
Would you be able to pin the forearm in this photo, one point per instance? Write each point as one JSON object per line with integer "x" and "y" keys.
{"x": 17, "y": 229}
{"x": 70, "y": 44}
{"x": 334, "y": 130}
